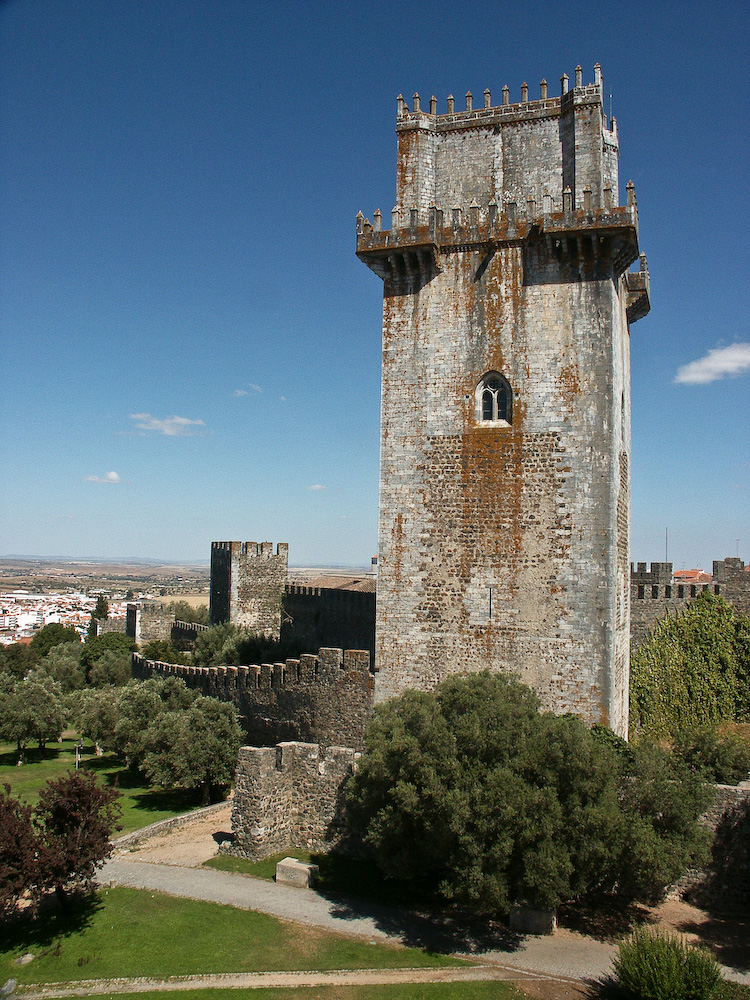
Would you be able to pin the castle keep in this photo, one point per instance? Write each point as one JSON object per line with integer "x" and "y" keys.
{"x": 505, "y": 412}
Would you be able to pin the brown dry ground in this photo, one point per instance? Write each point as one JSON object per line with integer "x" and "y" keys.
{"x": 727, "y": 936}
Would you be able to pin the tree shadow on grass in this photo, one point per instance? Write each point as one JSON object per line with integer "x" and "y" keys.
{"x": 43, "y": 930}
{"x": 166, "y": 800}
{"x": 357, "y": 889}
{"x": 438, "y": 931}
{"x": 174, "y": 800}
{"x": 32, "y": 755}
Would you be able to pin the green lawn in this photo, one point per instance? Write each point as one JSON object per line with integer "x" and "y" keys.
{"x": 140, "y": 803}
{"x": 132, "y": 932}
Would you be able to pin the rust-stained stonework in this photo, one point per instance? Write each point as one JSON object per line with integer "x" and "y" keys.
{"x": 505, "y": 544}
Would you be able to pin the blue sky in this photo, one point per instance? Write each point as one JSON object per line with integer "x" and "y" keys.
{"x": 191, "y": 350}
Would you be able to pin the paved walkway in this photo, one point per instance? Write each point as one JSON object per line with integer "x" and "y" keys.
{"x": 564, "y": 955}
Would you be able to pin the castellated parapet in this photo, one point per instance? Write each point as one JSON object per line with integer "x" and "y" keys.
{"x": 654, "y": 594}
{"x": 505, "y": 410}
{"x": 288, "y": 795}
{"x": 247, "y": 583}
{"x": 325, "y": 698}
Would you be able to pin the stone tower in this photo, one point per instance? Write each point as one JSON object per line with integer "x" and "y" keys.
{"x": 247, "y": 584}
{"x": 505, "y": 413}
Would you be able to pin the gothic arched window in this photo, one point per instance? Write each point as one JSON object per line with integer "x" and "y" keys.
{"x": 494, "y": 399}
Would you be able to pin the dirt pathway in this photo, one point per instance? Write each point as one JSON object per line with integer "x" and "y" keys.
{"x": 189, "y": 844}
{"x": 261, "y": 980}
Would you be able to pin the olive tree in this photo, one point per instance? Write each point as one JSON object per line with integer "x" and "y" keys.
{"x": 475, "y": 791}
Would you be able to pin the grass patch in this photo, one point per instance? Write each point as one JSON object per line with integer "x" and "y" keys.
{"x": 339, "y": 876}
{"x": 133, "y": 932}
{"x": 141, "y": 803}
{"x": 731, "y": 991}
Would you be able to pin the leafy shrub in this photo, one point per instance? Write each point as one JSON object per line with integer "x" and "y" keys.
{"x": 185, "y": 612}
{"x": 656, "y": 966}
{"x": 52, "y": 635}
{"x": 721, "y": 756}
{"x": 98, "y": 646}
{"x": 166, "y": 651}
{"x": 234, "y": 644}
{"x": 488, "y": 801}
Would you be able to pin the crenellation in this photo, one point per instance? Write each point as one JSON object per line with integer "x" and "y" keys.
{"x": 325, "y": 698}
{"x": 288, "y": 795}
{"x": 247, "y": 580}
{"x": 504, "y": 540}
{"x": 654, "y": 593}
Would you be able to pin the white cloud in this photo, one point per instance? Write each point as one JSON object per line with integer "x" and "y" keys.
{"x": 718, "y": 363}
{"x": 254, "y": 387}
{"x": 171, "y": 426}
{"x": 240, "y": 392}
{"x": 316, "y": 486}
{"x": 108, "y": 477}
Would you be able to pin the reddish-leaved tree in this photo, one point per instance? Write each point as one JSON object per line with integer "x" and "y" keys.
{"x": 74, "y": 818}
{"x": 17, "y": 850}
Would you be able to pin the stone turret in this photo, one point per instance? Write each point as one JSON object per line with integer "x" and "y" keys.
{"x": 505, "y": 438}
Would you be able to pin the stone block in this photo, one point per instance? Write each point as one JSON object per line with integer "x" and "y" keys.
{"x": 290, "y": 871}
{"x": 526, "y": 920}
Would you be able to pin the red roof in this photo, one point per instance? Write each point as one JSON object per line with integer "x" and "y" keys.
{"x": 692, "y": 576}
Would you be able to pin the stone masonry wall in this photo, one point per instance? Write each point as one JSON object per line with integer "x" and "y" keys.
{"x": 504, "y": 543}
{"x": 653, "y": 595}
{"x": 726, "y": 881}
{"x": 247, "y": 583}
{"x": 326, "y": 699}
{"x": 102, "y": 625}
{"x": 149, "y": 621}
{"x": 322, "y": 616}
{"x": 287, "y": 796}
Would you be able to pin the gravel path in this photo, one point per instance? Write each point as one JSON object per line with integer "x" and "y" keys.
{"x": 566, "y": 954}
{"x": 151, "y": 865}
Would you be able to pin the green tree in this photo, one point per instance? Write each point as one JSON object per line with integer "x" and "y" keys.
{"x": 217, "y": 646}
{"x": 94, "y": 713}
{"x": 660, "y": 801}
{"x": 473, "y": 790}
{"x": 693, "y": 670}
{"x": 164, "y": 650}
{"x": 110, "y": 669}
{"x": 108, "y": 642}
{"x": 233, "y": 644}
{"x": 30, "y": 709}
{"x": 101, "y": 611}
{"x": 43, "y": 698}
{"x": 52, "y": 635}
{"x": 138, "y": 705}
{"x": 193, "y": 749}
{"x": 16, "y": 659}
{"x": 185, "y": 612}
{"x": 63, "y": 664}
{"x": 722, "y": 757}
